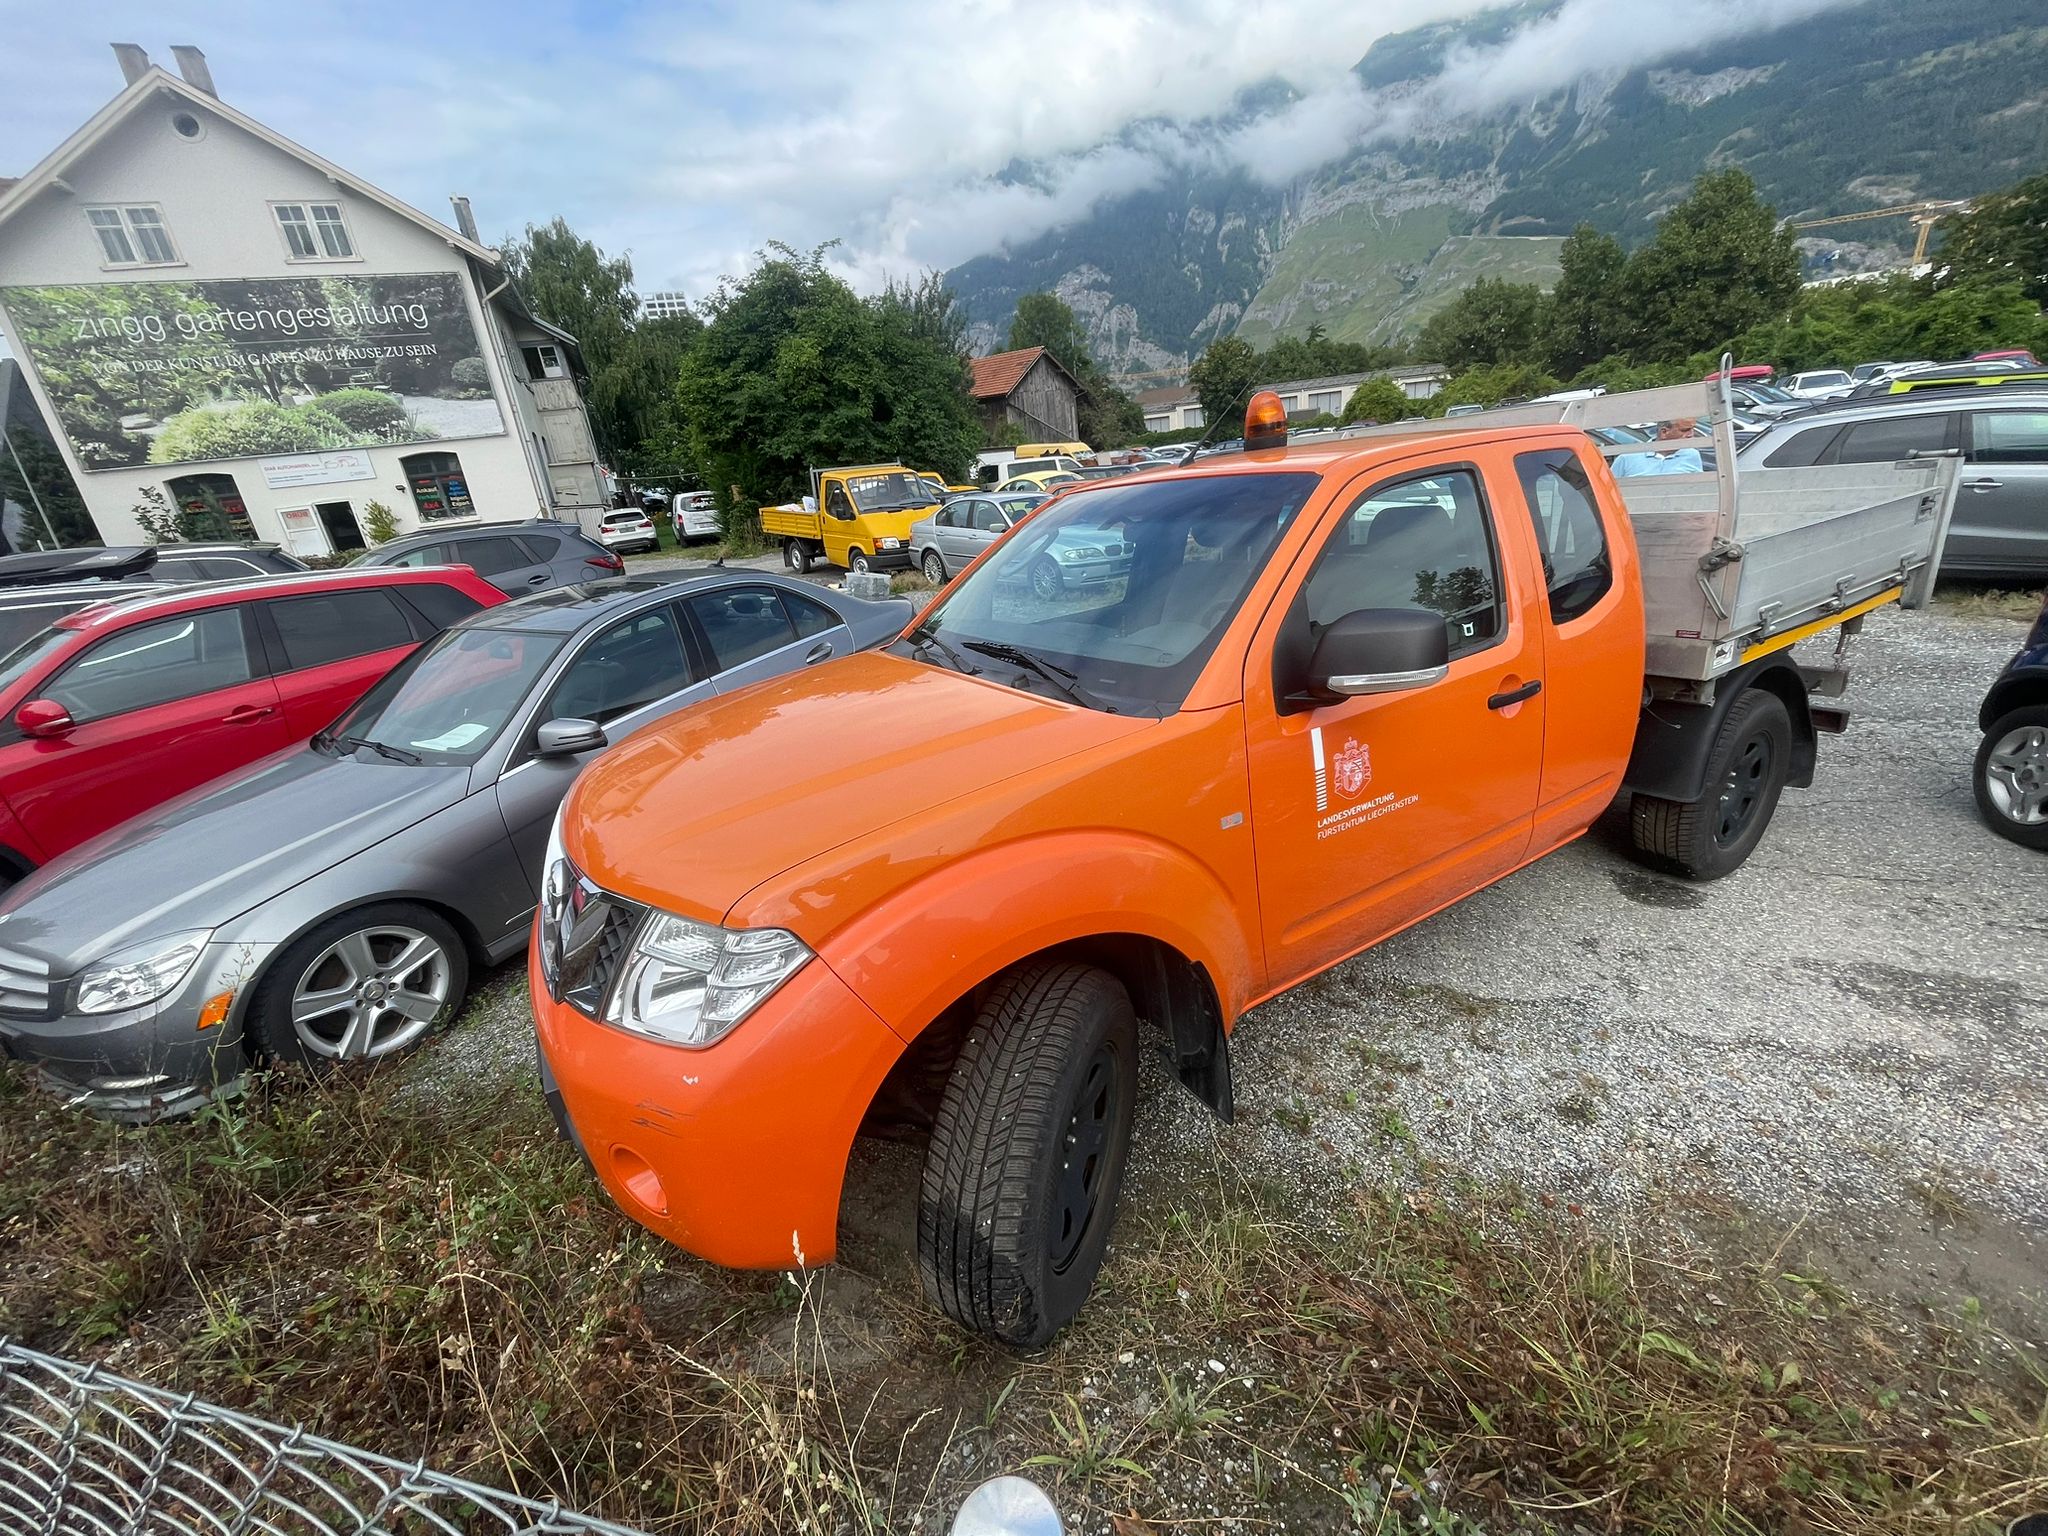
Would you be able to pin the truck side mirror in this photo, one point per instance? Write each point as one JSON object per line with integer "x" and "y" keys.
{"x": 1379, "y": 650}
{"x": 43, "y": 718}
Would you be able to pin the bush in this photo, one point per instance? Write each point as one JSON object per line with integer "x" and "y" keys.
{"x": 368, "y": 411}
{"x": 243, "y": 431}
{"x": 471, "y": 378}
{"x": 380, "y": 523}
{"x": 1379, "y": 400}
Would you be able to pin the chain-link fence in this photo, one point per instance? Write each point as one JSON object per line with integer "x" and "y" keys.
{"x": 86, "y": 1453}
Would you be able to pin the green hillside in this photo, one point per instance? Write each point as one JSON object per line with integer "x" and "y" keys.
{"x": 1862, "y": 105}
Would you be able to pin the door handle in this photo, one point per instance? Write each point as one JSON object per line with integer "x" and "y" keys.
{"x": 822, "y": 651}
{"x": 247, "y": 714}
{"x": 1982, "y": 485}
{"x": 1528, "y": 690}
{"x": 534, "y": 581}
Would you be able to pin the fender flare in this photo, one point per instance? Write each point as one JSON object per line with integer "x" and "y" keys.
{"x": 1673, "y": 741}
{"x": 930, "y": 943}
{"x": 2015, "y": 688}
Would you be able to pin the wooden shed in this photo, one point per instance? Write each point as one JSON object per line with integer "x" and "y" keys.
{"x": 1027, "y": 389}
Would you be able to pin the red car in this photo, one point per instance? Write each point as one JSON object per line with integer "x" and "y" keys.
{"x": 123, "y": 705}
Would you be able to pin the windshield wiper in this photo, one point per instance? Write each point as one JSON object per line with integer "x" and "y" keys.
{"x": 1068, "y": 682}
{"x": 396, "y": 754}
{"x": 925, "y": 635}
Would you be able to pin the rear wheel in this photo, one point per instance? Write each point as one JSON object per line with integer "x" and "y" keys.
{"x": 1707, "y": 838}
{"x": 796, "y": 554}
{"x": 2011, "y": 779}
{"x": 361, "y": 986}
{"x": 1028, "y": 1152}
{"x": 934, "y": 567}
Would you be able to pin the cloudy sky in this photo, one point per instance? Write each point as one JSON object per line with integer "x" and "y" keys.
{"x": 687, "y": 135}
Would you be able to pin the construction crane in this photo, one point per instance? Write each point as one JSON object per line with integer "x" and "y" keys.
{"x": 1924, "y": 216}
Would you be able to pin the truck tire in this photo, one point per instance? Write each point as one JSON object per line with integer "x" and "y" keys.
{"x": 796, "y": 554}
{"x": 1707, "y": 838}
{"x": 2011, "y": 777}
{"x": 1028, "y": 1152}
{"x": 857, "y": 562}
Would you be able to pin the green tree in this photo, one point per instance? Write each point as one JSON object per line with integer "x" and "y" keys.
{"x": 1106, "y": 416}
{"x": 1492, "y": 321}
{"x": 1720, "y": 264}
{"x": 1492, "y": 384}
{"x": 1223, "y": 376}
{"x": 1583, "y": 323}
{"x": 795, "y": 371}
{"x": 570, "y": 283}
{"x": 636, "y": 392}
{"x": 1378, "y": 400}
{"x": 2004, "y": 237}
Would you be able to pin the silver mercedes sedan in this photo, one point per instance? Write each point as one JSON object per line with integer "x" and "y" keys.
{"x": 328, "y": 903}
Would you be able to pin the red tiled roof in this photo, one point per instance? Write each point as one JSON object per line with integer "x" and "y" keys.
{"x": 1000, "y": 372}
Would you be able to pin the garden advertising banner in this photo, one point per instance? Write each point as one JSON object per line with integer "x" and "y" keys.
{"x": 180, "y": 372}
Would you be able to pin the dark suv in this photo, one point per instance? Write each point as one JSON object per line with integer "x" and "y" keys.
{"x": 2012, "y": 764}
{"x": 513, "y": 557}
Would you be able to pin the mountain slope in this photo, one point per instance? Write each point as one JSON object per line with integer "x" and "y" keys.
{"x": 1875, "y": 102}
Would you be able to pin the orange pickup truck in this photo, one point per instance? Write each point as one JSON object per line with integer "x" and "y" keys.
{"x": 1328, "y": 691}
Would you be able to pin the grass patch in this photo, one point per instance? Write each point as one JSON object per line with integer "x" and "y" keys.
{"x": 440, "y": 1277}
{"x": 1983, "y": 600}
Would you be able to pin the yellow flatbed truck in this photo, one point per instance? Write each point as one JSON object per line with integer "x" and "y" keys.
{"x": 857, "y": 517}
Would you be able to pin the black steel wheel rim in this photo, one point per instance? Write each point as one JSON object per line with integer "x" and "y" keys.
{"x": 1085, "y": 1151}
{"x": 1743, "y": 788}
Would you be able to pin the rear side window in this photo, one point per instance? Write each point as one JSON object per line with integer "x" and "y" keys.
{"x": 442, "y": 605}
{"x": 333, "y": 626}
{"x": 150, "y": 664}
{"x": 490, "y": 557}
{"x": 543, "y": 547}
{"x": 811, "y": 618}
{"x": 1416, "y": 544}
{"x": 742, "y": 623}
{"x": 1566, "y": 515}
{"x": 1802, "y": 449}
{"x": 2009, "y": 437}
{"x": 1895, "y": 437}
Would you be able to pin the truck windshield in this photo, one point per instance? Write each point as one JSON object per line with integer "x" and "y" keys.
{"x": 1114, "y": 598}
{"x": 889, "y": 492}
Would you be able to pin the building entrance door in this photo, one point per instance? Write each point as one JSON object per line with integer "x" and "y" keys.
{"x": 339, "y": 519}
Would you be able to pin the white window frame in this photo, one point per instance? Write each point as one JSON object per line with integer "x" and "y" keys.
{"x": 125, "y": 212}
{"x": 548, "y": 370}
{"x": 309, "y": 220}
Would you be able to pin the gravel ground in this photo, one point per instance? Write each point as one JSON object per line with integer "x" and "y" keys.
{"x": 1844, "y": 1038}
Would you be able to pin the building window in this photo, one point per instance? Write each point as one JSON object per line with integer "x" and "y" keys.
{"x": 210, "y": 506}
{"x": 1326, "y": 402}
{"x": 1194, "y": 417}
{"x": 1158, "y": 423}
{"x": 314, "y": 231}
{"x": 439, "y": 488}
{"x": 133, "y": 236}
{"x": 543, "y": 362}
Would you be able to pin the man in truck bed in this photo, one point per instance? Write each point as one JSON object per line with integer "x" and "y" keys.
{"x": 1331, "y": 690}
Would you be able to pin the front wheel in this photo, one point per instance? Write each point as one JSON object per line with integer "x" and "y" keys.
{"x": 934, "y": 568}
{"x": 362, "y": 986}
{"x": 2011, "y": 777}
{"x": 1707, "y": 838}
{"x": 857, "y": 562}
{"x": 1028, "y": 1152}
{"x": 1046, "y": 580}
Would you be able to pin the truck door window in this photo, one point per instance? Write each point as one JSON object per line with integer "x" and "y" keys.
{"x": 1419, "y": 543}
{"x": 742, "y": 623}
{"x": 1566, "y": 515}
{"x": 838, "y": 504}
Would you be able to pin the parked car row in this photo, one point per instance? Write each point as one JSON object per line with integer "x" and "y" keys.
{"x": 328, "y": 900}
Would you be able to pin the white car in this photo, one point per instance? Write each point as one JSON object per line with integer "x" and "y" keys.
{"x": 1820, "y": 384}
{"x": 694, "y": 515}
{"x": 627, "y": 530}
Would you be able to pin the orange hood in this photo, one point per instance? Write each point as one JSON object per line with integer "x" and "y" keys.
{"x": 694, "y": 812}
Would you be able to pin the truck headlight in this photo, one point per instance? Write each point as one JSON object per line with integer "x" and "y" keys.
{"x": 688, "y": 983}
{"x": 139, "y": 974}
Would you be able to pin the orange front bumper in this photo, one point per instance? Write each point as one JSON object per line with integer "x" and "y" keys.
{"x": 735, "y": 1153}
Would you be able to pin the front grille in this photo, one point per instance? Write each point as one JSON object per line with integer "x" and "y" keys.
{"x": 585, "y": 935}
{"x": 26, "y": 990}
